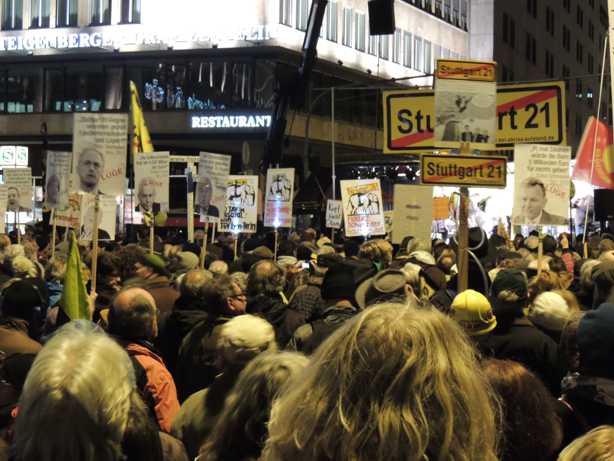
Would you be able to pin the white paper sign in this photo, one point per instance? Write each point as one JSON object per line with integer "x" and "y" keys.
{"x": 412, "y": 212}
{"x": 363, "y": 208}
{"x": 241, "y": 211}
{"x": 541, "y": 185}
{"x": 151, "y": 181}
{"x": 57, "y": 179}
{"x": 213, "y": 171}
{"x": 279, "y": 196}
{"x": 106, "y": 217}
{"x": 334, "y": 214}
{"x": 19, "y": 189}
{"x": 99, "y": 153}
{"x": 3, "y": 199}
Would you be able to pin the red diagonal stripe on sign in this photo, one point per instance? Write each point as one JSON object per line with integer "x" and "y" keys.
{"x": 530, "y": 99}
{"x": 411, "y": 139}
{"x": 492, "y": 162}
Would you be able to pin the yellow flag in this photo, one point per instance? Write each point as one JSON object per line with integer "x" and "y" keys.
{"x": 74, "y": 301}
{"x": 141, "y": 141}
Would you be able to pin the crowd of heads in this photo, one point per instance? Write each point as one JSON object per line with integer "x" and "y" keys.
{"x": 312, "y": 350}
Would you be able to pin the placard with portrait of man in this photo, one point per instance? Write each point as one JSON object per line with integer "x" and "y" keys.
{"x": 151, "y": 179}
{"x": 19, "y": 189}
{"x": 213, "y": 171}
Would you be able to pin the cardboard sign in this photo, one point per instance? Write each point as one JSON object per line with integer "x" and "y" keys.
{"x": 151, "y": 181}
{"x": 71, "y": 215}
{"x": 541, "y": 185}
{"x": 107, "y": 212}
{"x": 334, "y": 214}
{"x": 279, "y": 196}
{"x": 526, "y": 114}
{"x": 363, "y": 208}
{"x": 412, "y": 212}
{"x": 19, "y": 189}
{"x": 464, "y": 170}
{"x": 441, "y": 208}
{"x": 241, "y": 211}
{"x": 213, "y": 171}
{"x": 57, "y": 179}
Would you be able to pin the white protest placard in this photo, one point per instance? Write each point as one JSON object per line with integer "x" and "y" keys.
{"x": 19, "y": 189}
{"x": 57, "y": 179}
{"x": 466, "y": 104}
{"x": 106, "y": 217}
{"x": 99, "y": 153}
{"x": 213, "y": 171}
{"x": 241, "y": 211}
{"x": 363, "y": 208}
{"x": 541, "y": 185}
{"x": 3, "y": 200}
{"x": 334, "y": 214}
{"x": 279, "y": 195}
{"x": 70, "y": 216}
{"x": 412, "y": 212}
{"x": 151, "y": 181}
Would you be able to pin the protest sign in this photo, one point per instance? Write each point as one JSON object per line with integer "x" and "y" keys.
{"x": 363, "y": 208}
{"x": 413, "y": 212}
{"x": 279, "y": 196}
{"x": 241, "y": 210}
{"x": 441, "y": 208}
{"x": 19, "y": 189}
{"x": 464, "y": 170}
{"x": 541, "y": 185}
{"x": 3, "y": 200}
{"x": 334, "y": 214}
{"x": 151, "y": 178}
{"x": 466, "y": 104}
{"x": 106, "y": 217}
{"x": 99, "y": 153}
{"x": 213, "y": 171}
{"x": 57, "y": 179}
{"x": 70, "y": 215}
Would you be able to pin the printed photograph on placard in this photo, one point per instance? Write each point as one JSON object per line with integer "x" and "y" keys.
{"x": 19, "y": 189}
{"x": 99, "y": 153}
{"x": 106, "y": 217}
{"x": 541, "y": 185}
{"x": 210, "y": 197}
{"x": 241, "y": 210}
{"x": 363, "y": 209}
{"x": 279, "y": 195}
{"x": 57, "y": 178}
{"x": 466, "y": 112}
{"x": 151, "y": 179}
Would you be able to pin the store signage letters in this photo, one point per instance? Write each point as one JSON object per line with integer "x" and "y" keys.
{"x": 229, "y": 122}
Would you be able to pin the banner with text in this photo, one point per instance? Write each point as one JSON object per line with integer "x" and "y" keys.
{"x": 241, "y": 210}
{"x": 213, "y": 171}
{"x": 151, "y": 180}
{"x": 464, "y": 170}
{"x": 57, "y": 179}
{"x": 541, "y": 185}
{"x": 412, "y": 212}
{"x": 363, "y": 208}
{"x": 99, "y": 153}
{"x": 70, "y": 215}
{"x": 334, "y": 214}
{"x": 279, "y": 197}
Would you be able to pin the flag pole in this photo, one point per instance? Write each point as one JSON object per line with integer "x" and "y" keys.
{"x": 203, "y": 248}
{"x": 53, "y": 232}
{"x": 236, "y": 246}
{"x": 603, "y": 61}
{"x": 152, "y": 234}
{"x": 95, "y": 243}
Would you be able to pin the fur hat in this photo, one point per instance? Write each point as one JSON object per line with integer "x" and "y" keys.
{"x": 549, "y": 311}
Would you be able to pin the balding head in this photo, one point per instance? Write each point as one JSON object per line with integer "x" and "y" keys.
{"x": 133, "y": 315}
{"x": 265, "y": 277}
{"x": 193, "y": 282}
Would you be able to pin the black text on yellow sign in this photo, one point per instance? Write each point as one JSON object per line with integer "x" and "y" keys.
{"x": 464, "y": 170}
{"x": 527, "y": 113}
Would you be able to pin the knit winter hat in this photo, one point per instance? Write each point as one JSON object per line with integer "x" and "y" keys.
{"x": 474, "y": 313}
{"x": 550, "y": 311}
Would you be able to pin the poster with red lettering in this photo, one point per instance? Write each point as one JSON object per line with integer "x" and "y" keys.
{"x": 279, "y": 197}
{"x": 99, "y": 153}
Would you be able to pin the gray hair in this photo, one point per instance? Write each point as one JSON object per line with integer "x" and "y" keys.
{"x": 76, "y": 398}
{"x": 243, "y": 338}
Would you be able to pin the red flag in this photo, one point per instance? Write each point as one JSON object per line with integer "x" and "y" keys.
{"x": 603, "y": 170}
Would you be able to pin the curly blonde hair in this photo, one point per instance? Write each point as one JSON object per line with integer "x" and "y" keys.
{"x": 393, "y": 383}
{"x": 596, "y": 445}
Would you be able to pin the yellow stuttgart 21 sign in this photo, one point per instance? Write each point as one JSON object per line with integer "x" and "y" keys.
{"x": 464, "y": 170}
{"x": 526, "y": 113}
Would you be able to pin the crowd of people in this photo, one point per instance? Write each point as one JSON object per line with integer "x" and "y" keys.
{"x": 300, "y": 348}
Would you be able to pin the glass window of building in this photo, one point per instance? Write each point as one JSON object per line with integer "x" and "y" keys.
{"x": 384, "y": 46}
{"x": 66, "y": 12}
{"x": 41, "y": 10}
{"x": 418, "y": 62}
{"x": 428, "y": 57}
{"x": 84, "y": 88}
{"x": 131, "y": 11}
{"x": 359, "y": 40}
{"x": 100, "y": 12}
{"x": 285, "y": 12}
{"x": 348, "y": 22}
{"x": 373, "y": 44}
{"x": 407, "y": 47}
{"x": 302, "y": 14}
{"x": 397, "y": 46}
{"x": 331, "y": 22}
{"x": 12, "y": 14}
{"x": 23, "y": 90}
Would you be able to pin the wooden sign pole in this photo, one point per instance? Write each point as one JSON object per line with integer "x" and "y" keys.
{"x": 236, "y": 243}
{"x": 203, "y": 247}
{"x": 540, "y": 251}
{"x": 276, "y": 239}
{"x": 152, "y": 233}
{"x": 463, "y": 233}
{"x": 95, "y": 248}
{"x": 54, "y": 228}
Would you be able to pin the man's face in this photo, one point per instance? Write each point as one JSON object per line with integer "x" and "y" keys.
{"x": 533, "y": 201}
{"x": 53, "y": 189}
{"x": 205, "y": 190}
{"x": 147, "y": 196}
{"x": 90, "y": 169}
{"x": 237, "y": 303}
{"x": 13, "y": 197}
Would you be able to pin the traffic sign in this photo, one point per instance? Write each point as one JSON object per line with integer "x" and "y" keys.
{"x": 526, "y": 114}
{"x": 464, "y": 170}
